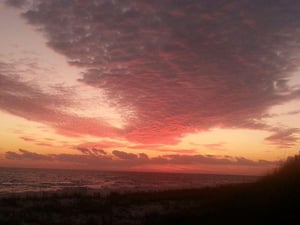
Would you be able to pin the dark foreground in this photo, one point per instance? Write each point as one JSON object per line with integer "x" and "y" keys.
{"x": 273, "y": 200}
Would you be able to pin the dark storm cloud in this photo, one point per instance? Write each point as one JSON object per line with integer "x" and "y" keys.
{"x": 184, "y": 66}
{"x": 130, "y": 160}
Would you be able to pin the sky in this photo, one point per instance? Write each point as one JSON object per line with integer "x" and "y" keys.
{"x": 194, "y": 86}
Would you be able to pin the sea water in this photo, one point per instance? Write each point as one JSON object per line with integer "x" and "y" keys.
{"x": 19, "y": 180}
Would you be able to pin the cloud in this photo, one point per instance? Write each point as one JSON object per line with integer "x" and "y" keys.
{"x": 83, "y": 150}
{"x": 98, "y": 151}
{"x": 24, "y": 154}
{"x": 27, "y": 100}
{"x": 48, "y": 142}
{"x": 183, "y": 66}
{"x": 284, "y": 138}
{"x": 92, "y": 151}
{"x": 102, "y": 144}
{"x": 143, "y": 156}
{"x": 127, "y": 160}
{"x": 71, "y": 158}
{"x": 212, "y": 160}
{"x": 162, "y": 148}
{"x": 295, "y": 112}
{"x": 91, "y": 160}
{"x": 45, "y": 144}
{"x": 23, "y": 99}
{"x": 215, "y": 146}
{"x": 146, "y": 146}
{"x": 28, "y": 139}
{"x": 124, "y": 155}
{"x": 17, "y": 3}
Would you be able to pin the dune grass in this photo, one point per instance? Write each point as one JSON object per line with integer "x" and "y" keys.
{"x": 272, "y": 200}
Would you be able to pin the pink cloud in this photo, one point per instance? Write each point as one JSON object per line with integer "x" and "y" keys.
{"x": 182, "y": 67}
{"x": 25, "y": 100}
{"x": 27, "y": 139}
{"x": 45, "y": 144}
{"x": 284, "y": 138}
{"x": 102, "y": 145}
{"x": 215, "y": 146}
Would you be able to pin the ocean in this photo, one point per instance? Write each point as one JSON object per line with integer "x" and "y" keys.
{"x": 17, "y": 180}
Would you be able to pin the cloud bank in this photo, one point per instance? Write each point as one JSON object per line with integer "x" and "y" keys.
{"x": 124, "y": 160}
{"x": 183, "y": 66}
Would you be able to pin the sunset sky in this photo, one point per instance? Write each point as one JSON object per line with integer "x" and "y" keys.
{"x": 196, "y": 86}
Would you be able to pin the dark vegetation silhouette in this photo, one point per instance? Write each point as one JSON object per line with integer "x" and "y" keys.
{"x": 273, "y": 199}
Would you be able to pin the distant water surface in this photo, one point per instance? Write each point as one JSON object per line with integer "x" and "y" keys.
{"x": 14, "y": 180}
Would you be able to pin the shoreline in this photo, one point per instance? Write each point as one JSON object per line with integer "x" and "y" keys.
{"x": 271, "y": 200}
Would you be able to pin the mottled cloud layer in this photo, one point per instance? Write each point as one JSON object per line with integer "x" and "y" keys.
{"x": 182, "y": 66}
